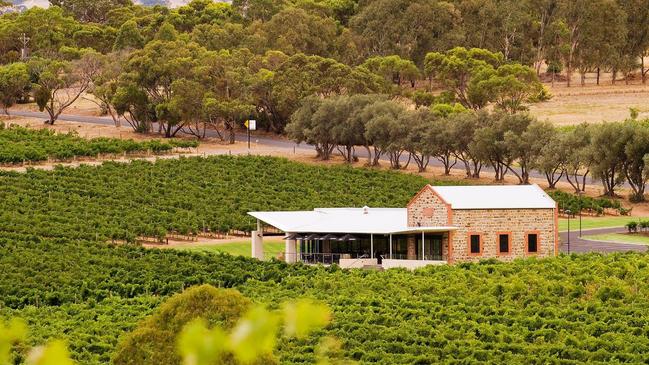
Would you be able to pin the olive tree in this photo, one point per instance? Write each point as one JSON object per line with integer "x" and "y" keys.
{"x": 386, "y": 130}
{"x": 526, "y": 148}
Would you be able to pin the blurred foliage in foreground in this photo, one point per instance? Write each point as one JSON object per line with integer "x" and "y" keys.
{"x": 201, "y": 326}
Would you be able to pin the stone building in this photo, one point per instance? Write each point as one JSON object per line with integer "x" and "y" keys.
{"x": 441, "y": 224}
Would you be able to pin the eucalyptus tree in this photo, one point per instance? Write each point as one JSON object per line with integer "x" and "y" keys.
{"x": 58, "y": 84}
{"x": 394, "y": 68}
{"x": 90, "y": 11}
{"x": 155, "y": 70}
{"x": 634, "y": 34}
{"x": 128, "y": 37}
{"x": 279, "y": 86}
{"x": 408, "y": 28}
{"x": 14, "y": 84}
{"x": 308, "y": 33}
{"x": 478, "y": 77}
{"x": 227, "y": 100}
{"x": 544, "y": 20}
{"x": 456, "y": 68}
{"x": 262, "y": 10}
{"x": 498, "y": 25}
{"x": 106, "y": 81}
{"x": 602, "y": 35}
{"x": 583, "y": 20}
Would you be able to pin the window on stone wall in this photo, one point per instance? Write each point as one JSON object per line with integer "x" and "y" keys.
{"x": 532, "y": 243}
{"x": 503, "y": 243}
{"x": 474, "y": 244}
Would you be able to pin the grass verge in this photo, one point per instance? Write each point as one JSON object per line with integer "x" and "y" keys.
{"x": 596, "y": 222}
{"x": 620, "y": 238}
{"x": 271, "y": 248}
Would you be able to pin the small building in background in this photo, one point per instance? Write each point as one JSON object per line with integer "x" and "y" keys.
{"x": 440, "y": 225}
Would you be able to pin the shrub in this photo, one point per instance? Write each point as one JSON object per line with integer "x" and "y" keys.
{"x": 153, "y": 341}
{"x": 632, "y": 226}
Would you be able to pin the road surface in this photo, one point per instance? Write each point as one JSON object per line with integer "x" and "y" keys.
{"x": 580, "y": 245}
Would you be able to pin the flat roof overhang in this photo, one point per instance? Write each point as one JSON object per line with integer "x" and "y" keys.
{"x": 345, "y": 221}
{"x": 402, "y": 231}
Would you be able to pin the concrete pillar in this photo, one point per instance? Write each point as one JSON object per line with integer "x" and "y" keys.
{"x": 412, "y": 247}
{"x": 290, "y": 251}
{"x": 258, "y": 245}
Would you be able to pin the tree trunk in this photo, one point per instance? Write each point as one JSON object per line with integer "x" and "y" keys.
{"x": 369, "y": 155}
{"x": 598, "y": 72}
{"x": 642, "y": 72}
{"x": 232, "y": 135}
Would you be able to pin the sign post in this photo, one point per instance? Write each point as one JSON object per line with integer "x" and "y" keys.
{"x": 251, "y": 125}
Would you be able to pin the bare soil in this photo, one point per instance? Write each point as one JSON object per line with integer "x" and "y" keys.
{"x": 592, "y": 103}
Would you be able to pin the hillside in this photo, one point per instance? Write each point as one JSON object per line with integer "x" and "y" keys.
{"x": 587, "y": 308}
{"x": 121, "y": 201}
{"x": 68, "y": 283}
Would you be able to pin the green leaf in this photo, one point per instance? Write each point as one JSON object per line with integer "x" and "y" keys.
{"x": 303, "y": 317}
{"x": 15, "y": 331}
{"x": 200, "y": 346}
{"x": 55, "y": 353}
{"x": 254, "y": 335}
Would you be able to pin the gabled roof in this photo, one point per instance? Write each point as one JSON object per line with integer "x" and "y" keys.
{"x": 344, "y": 220}
{"x": 495, "y": 197}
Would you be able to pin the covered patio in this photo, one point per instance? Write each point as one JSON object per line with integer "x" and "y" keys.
{"x": 355, "y": 238}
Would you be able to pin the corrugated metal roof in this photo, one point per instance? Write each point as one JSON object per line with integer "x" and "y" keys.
{"x": 344, "y": 220}
{"x": 495, "y": 197}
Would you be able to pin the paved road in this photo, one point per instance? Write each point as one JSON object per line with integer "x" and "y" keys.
{"x": 276, "y": 142}
{"x": 263, "y": 140}
{"x": 580, "y": 245}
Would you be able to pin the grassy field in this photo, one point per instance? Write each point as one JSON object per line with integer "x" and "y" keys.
{"x": 271, "y": 248}
{"x": 620, "y": 238}
{"x": 595, "y": 222}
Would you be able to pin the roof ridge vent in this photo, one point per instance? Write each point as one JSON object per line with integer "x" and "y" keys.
{"x": 366, "y": 209}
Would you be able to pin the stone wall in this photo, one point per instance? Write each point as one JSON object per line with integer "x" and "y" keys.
{"x": 490, "y": 223}
{"x": 426, "y": 209}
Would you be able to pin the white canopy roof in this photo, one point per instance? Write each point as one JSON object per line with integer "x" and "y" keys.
{"x": 495, "y": 197}
{"x": 344, "y": 220}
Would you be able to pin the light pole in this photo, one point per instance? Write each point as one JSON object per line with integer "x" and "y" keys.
{"x": 568, "y": 212}
{"x": 581, "y": 193}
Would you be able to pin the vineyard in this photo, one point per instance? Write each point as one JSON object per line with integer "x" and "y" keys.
{"x": 20, "y": 145}
{"x": 63, "y": 276}
{"x": 573, "y": 309}
{"x": 117, "y": 201}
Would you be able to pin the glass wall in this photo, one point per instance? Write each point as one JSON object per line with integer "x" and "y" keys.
{"x": 333, "y": 250}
